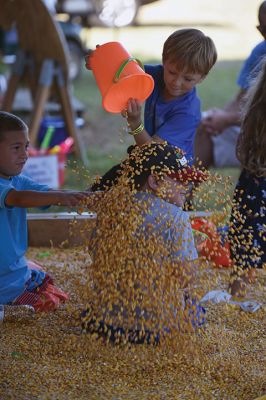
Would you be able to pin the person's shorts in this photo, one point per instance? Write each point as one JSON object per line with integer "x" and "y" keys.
{"x": 194, "y": 317}
{"x": 117, "y": 334}
{"x": 224, "y": 147}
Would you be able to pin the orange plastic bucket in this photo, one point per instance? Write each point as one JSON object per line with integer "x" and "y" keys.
{"x": 119, "y": 76}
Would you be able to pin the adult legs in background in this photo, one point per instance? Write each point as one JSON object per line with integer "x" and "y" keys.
{"x": 216, "y": 150}
{"x": 203, "y": 149}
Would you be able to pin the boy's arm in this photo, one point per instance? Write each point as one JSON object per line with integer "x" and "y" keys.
{"x": 133, "y": 116}
{"x": 143, "y": 137}
{"x": 218, "y": 119}
{"x": 32, "y": 198}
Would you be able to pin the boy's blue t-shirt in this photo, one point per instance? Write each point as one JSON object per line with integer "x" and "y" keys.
{"x": 14, "y": 271}
{"x": 251, "y": 66}
{"x": 175, "y": 121}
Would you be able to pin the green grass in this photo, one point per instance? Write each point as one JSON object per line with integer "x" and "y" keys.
{"x": 219, "y": 86}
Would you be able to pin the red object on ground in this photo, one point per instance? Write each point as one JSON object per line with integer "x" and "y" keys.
{"x": 46, "y": 297}
{"x": 212, "y": 248}
{"x": 50, "y": 299}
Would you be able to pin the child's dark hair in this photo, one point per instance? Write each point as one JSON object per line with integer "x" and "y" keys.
{"x": 151, "y": 158}
{"x": 261, "y": 17}
{"x": 191, "y": 50}
{"x": 10, "y": 122}
{"x": 252, "y": 140}
{"x": 262, "y": 9}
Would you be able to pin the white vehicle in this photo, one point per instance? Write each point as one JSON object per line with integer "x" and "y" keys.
{"x": 112, "y": 13}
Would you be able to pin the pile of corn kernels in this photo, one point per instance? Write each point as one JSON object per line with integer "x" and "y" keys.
{"x": 49, "y": 357}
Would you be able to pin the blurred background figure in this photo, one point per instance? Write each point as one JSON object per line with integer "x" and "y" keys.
{"x": 50, "y": 4}
{"x": 216, "y": 139}
{"x": 248, "y": 216}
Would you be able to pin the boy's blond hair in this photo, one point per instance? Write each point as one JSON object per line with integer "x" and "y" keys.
{"x": 191, "y": 50}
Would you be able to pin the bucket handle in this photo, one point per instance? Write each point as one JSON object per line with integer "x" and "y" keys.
{"x": 122, "y": 66}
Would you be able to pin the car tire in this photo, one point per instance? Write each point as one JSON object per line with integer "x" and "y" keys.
{"x": 75, "y": 61}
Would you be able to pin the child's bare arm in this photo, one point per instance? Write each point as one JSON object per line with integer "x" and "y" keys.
{"x": 133, "y": 116}
{"x": 31, "y": 198}
{"x": 218, "y": 119}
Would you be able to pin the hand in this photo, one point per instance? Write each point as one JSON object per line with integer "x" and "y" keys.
{"x": 72, "y": 198}
{"x": 215, "y": 121}
{"x": 31, "y": 198}
{"x": 133, "y": 113}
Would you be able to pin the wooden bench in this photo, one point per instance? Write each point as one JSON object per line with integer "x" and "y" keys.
{"x": 67, "y": 229}
{"x": 60, "y": 229}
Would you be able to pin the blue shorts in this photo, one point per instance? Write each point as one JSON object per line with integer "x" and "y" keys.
{"x": 118, "y": 335}
{"x": 90, "y": 324}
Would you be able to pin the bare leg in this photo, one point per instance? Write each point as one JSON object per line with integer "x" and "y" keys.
{"x": 203, "y": 149}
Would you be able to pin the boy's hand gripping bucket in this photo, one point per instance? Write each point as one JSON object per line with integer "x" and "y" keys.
{"x": 119, "y": 76}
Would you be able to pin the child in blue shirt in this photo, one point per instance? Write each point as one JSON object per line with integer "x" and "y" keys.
{"x": 17, "y": 192}
{"x": 149, "y": 236}
{"x": 172, "y": 111}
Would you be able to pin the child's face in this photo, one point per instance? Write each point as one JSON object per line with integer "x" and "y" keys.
{"x": 177, "y": 83}
{"x": 13, "y": 153}
{"x": 173, "y": 191}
